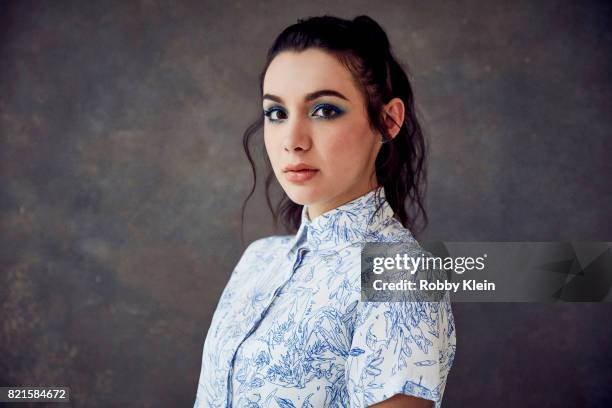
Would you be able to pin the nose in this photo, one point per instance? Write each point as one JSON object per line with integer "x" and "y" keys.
{"x": 297, "y": 136}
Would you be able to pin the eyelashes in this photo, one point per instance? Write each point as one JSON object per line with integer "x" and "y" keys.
{"x": 324, "y": 111}
{"x": 272, "y": 114}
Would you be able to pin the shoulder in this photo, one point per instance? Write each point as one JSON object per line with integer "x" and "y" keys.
{"x": 391, "y": 235}
{"x": 258, "y": 255}
{"x": 268, "y": 244}
{"x": 264, "y": 250}
{"x": 393, "y": 231}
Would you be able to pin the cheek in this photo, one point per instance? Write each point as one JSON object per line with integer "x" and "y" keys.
{"x": 271, "y": 149}
{"x": 343, "y": 155}
{"x": 267, "y": 145}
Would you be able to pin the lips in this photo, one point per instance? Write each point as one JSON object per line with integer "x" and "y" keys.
{"x": 299, "y": 172}
{"x": 298, "y": 167}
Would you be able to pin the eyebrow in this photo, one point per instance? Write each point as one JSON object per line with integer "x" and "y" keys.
{"x": 309, "y": 97}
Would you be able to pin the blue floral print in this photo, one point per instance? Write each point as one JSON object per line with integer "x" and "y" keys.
{"x": 291, "y": 331}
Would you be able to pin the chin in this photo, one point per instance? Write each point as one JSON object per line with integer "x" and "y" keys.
{"x": 303, "y": 195}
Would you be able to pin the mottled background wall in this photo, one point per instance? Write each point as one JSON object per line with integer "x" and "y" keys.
{"x": 123, "y": 174}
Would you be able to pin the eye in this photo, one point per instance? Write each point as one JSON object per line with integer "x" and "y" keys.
{"x": 327, "y": 111}
{"x": 275, "y": 114}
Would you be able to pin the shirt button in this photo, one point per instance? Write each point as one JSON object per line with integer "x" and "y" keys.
{"x": 302, "y": 252}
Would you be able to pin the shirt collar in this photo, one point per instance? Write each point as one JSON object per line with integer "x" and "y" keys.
{"x": 354, "y": 221}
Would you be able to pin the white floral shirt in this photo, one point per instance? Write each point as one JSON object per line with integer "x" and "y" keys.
{"x": 290, "y": 329}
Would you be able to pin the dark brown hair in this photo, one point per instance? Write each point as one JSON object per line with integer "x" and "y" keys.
{"x": 363, "y": 47}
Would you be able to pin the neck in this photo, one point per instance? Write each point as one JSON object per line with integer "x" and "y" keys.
{"x": 315, "y": 210}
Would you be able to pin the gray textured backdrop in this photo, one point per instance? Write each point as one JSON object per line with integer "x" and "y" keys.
{"x": 123, "y": 173}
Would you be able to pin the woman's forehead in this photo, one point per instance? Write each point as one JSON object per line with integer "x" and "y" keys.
{"x": 295, "y": 74}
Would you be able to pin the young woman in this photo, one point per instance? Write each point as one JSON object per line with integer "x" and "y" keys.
{"x": 290, "y": 329}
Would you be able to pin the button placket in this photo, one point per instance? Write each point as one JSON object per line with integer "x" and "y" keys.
{"x": 298, "y": 258}
{"x": 253, "y": 326}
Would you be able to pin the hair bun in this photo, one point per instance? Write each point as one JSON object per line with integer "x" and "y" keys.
{"x": 369, "y": 29}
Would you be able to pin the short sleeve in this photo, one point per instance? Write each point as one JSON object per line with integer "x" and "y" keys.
{"x": 400, "y": 348}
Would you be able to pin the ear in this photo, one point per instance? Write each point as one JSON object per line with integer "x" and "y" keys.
{"x": 393, "y": 116}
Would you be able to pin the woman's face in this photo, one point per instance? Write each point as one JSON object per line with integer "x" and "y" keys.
{"x": 316, "y": 116}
